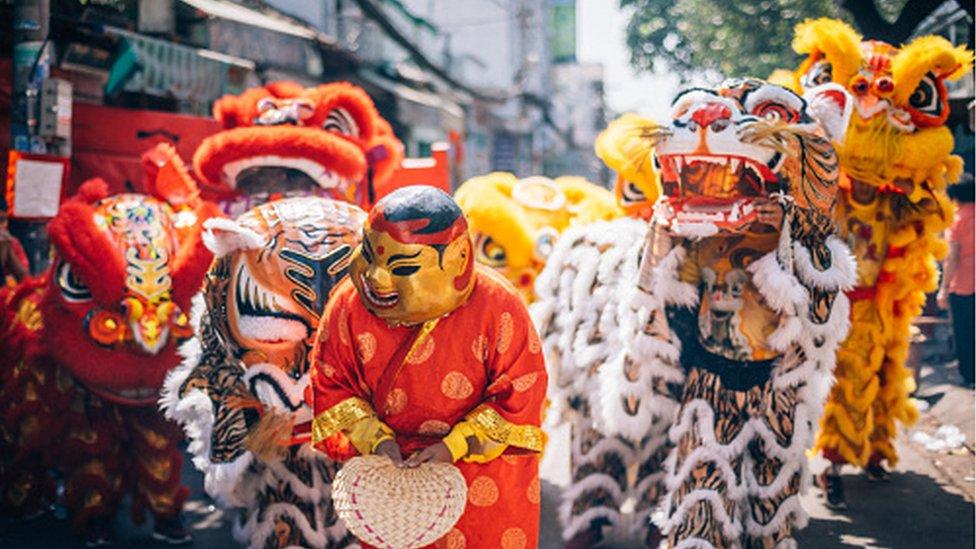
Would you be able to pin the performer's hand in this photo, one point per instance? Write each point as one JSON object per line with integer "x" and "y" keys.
{"x": 435, "y": 453}
{"x": 390, "y": 449}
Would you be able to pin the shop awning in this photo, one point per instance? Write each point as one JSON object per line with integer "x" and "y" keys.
{"x": 255, "y": 18}
{"x": 418, "y": 107}
{"x": 166, "y": 69}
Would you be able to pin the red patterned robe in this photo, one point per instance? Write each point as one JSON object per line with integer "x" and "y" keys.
{"x": 481, "y": 363}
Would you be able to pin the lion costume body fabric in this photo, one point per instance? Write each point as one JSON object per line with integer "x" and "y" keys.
{"x": 515, "y": 223}
{"x": 892, "y": 212}
{"x": 87, "y": 346}
{"x": 249, "y": 366}
{"x": 697, "y": 350}
{"x": 283, "y": 140}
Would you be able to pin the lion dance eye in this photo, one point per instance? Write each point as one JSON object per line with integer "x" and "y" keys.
{"x": 820, "y": 72}
{"x": 340, "y": 121}
{"x": 925, "y": 98}
{"x": 72, "y": 288}
{"x": 545, "y": 241}
{"x": 774, "y": 112}
{"x": 490, "y": 252}
{"x": 860, "y": 85}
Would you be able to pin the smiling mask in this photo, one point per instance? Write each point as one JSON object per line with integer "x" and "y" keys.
{"x": 415, "y": 262}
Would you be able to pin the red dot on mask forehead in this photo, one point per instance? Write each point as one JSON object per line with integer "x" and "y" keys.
{"x": 380, "y": 250}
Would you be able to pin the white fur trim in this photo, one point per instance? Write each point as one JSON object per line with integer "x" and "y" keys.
{"x": 779, "y": 288}
{"x": 842, "y": 273}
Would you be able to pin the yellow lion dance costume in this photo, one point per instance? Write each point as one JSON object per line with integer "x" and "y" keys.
{"x": 892, "y": 210}
{"x": 515, "y": 222}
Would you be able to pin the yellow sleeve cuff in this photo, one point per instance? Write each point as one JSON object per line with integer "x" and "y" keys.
{"x": 367, "y": 433}
{"x": 457, "y": 442}
{"x": 356, "y": 418}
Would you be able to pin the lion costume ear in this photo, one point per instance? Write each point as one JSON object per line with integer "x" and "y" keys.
{"x": 927, "y": 54}
{"x": 91, "y": 253}
{"x": 831, "y": 106}
{"x": 224, "y": 236}
{"x": 829, "y": 39}
{"x": 166, "y": 177}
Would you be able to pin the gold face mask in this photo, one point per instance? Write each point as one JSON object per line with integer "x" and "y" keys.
{"x": 415, "y": 263}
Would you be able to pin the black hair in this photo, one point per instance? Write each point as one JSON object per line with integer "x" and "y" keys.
{"x": 421, "y": 202}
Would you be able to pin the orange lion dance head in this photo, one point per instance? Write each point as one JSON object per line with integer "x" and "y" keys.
{"x": 285, "y": 140}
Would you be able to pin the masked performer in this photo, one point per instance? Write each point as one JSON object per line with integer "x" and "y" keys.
{"x": 86, "y": 347}
{"x": 245, "y": 374}
{"x": 424, "y": 355}
{"x": 893, "y": 210}
{"x": 515, "y": 222}
{"x": 283, "y": 140}
{"x": 724, "y": 336}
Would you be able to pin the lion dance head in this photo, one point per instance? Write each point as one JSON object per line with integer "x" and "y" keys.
{"x": 515, "y": 223}
{"x": 897, "y": 137}
{"x": 285, "y": 140}
{"x": 625, "y": 147}
{"x": 275, "y": 266}
{"x": 124, "y": 270}
{"x": 729, "y": 149}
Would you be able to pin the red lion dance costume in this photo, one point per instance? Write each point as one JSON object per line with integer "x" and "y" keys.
{"x": 87, "y": 346}
{"x": 247, "y": 369}
{"x": 284, "y": 140}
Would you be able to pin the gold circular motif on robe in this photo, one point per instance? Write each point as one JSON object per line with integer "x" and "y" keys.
{"x": 522, "y": 384}
{"x": 483, "y": 492}
{"x": 452, "y": 540}
{"x": 327, "y": 369}
{"x": 456, "y": 386}
{"x": 422, "y": 352}
{"x": 396, "y": 401}
{"x": 514, "y": 538}
{"x": 534, "y": 491}
{"x": 509, "y": 459}
{"x": 506, "y": 329}
{"x": 479, "y": 348}
{"x": 344, "y": 327}
{"x": 366, "y": 343}
{"x": 535, "y": 344}
{"x": 434, "y": 427}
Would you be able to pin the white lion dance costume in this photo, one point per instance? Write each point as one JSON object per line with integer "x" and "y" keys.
{"x": 692, "y": 355}
{"x": 245, "y": 374}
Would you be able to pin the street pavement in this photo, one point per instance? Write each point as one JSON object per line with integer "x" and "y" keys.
{"x": 927, "y": 503}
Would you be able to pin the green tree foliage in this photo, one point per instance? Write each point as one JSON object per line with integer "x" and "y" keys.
{"x": 732, "y": 37}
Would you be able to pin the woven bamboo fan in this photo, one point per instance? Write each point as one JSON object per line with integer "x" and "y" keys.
{"x": 396, "y": 508}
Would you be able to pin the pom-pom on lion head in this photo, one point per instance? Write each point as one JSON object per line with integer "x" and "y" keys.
{"x": 514, "y": 222}
{"x": 124, "y": 270}
{"x": 283, "y": 139}
{"x": 900, "y": 101}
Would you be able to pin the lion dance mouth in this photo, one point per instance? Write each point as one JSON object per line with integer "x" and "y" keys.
{"x": 283, "y": 140}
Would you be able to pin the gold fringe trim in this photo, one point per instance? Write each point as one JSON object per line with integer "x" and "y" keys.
{"x": 339, "y": 417}
{"x": 494, "y": 426}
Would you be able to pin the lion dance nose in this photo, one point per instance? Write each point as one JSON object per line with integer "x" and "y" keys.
{"x": 705, "y": 115}
{"x": 148, "y": 323}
